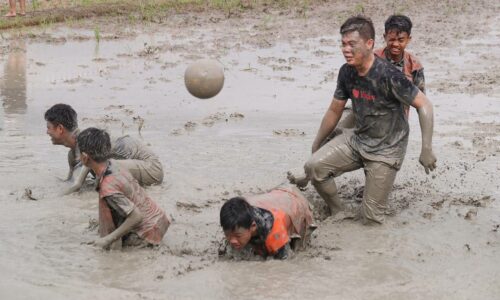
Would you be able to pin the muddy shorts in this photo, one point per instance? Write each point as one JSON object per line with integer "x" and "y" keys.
{"x": 146, "y": 172}
{"x": 337, "y": 157}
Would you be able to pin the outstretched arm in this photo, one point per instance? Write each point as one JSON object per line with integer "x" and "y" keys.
{"x": 71, "y": 164}
{"x": 329, "y": 122}
{"x": 134, "y": 218}
{"x": 78, "y": 182}
{"x": 426, "y": 118}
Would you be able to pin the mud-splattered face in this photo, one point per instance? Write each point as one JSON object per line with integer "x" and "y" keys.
{"x": 240, "y": 237}
{"x": 55, "y": 132}
{"x": 355, "y": 49}
{"x": 396, "y": 43}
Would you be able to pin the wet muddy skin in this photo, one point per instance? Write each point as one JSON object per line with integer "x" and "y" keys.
{"x": 440, "y": 239}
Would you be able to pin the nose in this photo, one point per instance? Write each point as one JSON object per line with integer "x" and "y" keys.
{"x": 346, "y": 50}
{"x": 234, "y": 242}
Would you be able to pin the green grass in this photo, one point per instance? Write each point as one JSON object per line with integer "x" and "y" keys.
{"x": 35, "y": 5}
{"x": 359, "y": 9}
{"x": 97, "y": 34}
{"x": 140, "y": 10}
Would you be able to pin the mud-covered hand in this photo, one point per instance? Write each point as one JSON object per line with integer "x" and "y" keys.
{"x": 426, "y": 119}
{"x": 428, "y": 160}
{"x": 103, "y": 242}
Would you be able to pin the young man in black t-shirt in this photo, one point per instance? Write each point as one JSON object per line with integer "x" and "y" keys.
{"x": 377, "y": 144}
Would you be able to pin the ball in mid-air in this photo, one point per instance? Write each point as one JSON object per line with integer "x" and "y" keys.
{"x": 204, "y": 78}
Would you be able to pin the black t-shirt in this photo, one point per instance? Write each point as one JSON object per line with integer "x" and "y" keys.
{"x": 377, "y": 101}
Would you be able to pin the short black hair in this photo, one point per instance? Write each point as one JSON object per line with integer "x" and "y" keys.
{"x": 236, "y": 212}
{"x": 398, "y": 23}
{"x": 62, "y": 114}
{"x": 96, "y": 143}
{"x": 361, "y": 24}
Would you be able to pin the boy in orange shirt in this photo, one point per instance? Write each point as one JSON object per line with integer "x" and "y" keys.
{"x": 271, "y": 224}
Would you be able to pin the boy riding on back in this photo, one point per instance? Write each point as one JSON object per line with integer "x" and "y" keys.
{"x": 397, "y": 36}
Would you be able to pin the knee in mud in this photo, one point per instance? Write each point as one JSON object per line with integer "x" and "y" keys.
{"x": 316, "y": 172}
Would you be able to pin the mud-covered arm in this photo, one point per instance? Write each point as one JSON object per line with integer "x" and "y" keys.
{"x": 283, "y": 253}
{"x": 329, "y": 122}
{"x": 78, "y": 182}
{"x": 71, "y": 164}
{"x": 133, "y": 218}
{"x": 426, "y": 118}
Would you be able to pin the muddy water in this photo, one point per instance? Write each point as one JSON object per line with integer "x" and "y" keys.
{"x": 440, "y": 242}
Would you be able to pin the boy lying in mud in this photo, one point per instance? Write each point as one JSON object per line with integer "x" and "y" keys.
{"x": 397, "y": 37}
{"x": 62, "y": 127}
{"x": 269, "y": 225}
{"x": 127, "y": 216}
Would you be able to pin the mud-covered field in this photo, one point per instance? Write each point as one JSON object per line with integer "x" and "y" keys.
{"x": 440, "y": 240}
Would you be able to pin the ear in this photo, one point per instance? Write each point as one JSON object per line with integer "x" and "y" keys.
{"x": 253, "y": 227}
{"x": 84, "y": 158}
{"x": 60, "y": 128}
{"x": 370, "y": 43}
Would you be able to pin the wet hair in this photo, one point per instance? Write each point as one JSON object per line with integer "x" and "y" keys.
{"x": 62, "y": 114}
{"x": 361, "y": 24}
{"x": 398, "y": 23}
{"x": 236, "y": 212}
{"x": 96, "y": 143}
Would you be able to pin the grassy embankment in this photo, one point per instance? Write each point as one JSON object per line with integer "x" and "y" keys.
{"x": 47, "y": 12}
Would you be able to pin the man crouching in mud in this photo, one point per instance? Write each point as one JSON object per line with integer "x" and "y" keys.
{"x": 379, "y": 93}
{"x": 62, "y": 127}
{"x": 270, "y": 224}
{"x": 397, "y": 36}
{"x": 126, "y": 213}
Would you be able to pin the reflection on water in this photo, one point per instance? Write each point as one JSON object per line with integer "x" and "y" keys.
{"x": 13, "y": 84}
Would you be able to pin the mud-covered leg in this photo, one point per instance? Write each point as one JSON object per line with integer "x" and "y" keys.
{"x": 379, "y": 180}
{"x": 331, "y": 160}
{"x": 328, "y": 191}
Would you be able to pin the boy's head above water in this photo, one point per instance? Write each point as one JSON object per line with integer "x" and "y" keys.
{"x": 61, "y": 120}
{"x": 95, "y": 146}
{"x": 237, "y": 221}
{"x": 397, "y": 34}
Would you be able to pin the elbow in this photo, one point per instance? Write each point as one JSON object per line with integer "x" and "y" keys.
{"x": 427, "y": 108}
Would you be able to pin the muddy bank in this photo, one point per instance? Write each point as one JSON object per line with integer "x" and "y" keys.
{"x": 441, "y": 238}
